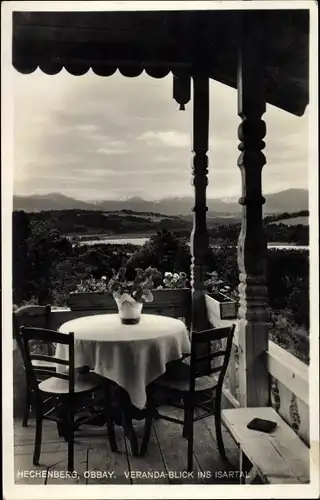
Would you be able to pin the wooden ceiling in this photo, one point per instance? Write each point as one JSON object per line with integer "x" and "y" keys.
{"x": 168, "y": 41}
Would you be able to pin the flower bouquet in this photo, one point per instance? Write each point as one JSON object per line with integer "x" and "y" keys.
{"x": 175, "y": 280}
{"x": 130, "y": 289}
{"x": 216, "y": 284}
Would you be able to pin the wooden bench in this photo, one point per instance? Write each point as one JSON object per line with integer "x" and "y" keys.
{"x": 278, "y": 457}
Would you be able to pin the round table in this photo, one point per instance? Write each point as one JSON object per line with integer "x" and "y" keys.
{"x": 130, "y": 355}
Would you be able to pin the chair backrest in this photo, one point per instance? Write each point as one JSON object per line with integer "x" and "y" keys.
{"x": 205, "y": 364}
{"x": 35, "y": 374}
{"x": 39, "y": 316}
{"x": 35, "y": 316}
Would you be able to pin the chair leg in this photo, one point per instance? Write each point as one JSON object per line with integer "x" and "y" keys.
{"x": 61, "y": 425}
{"x": 111, "y": 433}
{"x": 70, "y": 434}
{"x": 38, "y": 439}
{"x": 189, "y": 420}
{"x": 71, "y": 451}
{"x": 185, "y": 423}
{"x": 146, "y": 435}
{"x": 148, "y": 425}
{"x": 130, "y": 432}
{"x": 218, "y": 425}
{"x": 27, "y": 408}
{"x": 110, "y": 420}
{"x": 62, "y": 431}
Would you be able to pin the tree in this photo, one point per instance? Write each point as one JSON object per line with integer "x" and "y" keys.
{"x": 46, "y": 248}
{"x": 164, "y": 251}
{"x": 21, "y": 268}
{"x": 298, "y": 302}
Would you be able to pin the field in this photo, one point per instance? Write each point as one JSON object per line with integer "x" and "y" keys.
{"x": 141, "y": 215}
{"x": 294, "y": 221}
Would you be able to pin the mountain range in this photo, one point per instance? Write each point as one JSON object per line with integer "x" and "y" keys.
{"x": 290, "y": 200}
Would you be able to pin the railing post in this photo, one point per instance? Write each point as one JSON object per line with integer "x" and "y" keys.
{"x": 199, "y": 236}
{"x": 252, "y": 244}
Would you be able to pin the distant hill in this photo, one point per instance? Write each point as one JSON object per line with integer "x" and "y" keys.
{"x": 290, "y": 200}
{"x": 95, "y": 222}
{"x": 51, "y": 201}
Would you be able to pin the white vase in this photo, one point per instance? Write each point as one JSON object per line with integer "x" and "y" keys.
{"x": 129, "y": 309}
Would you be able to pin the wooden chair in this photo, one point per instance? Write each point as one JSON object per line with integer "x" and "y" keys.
{"x": 32, "y": 315}
{"x": 66, "y": 389}
{"x": 201, "y": 390}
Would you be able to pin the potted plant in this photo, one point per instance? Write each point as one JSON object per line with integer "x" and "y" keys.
{"x": 224, "y": 306}
{"x": 130, "y": 289}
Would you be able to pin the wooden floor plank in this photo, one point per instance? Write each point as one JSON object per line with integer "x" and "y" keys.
{"x": 25, "y": 435}
{"x": 25, "y": 470}
{"x": 149, "y": 469}
{"x": 58, "y": 473}
{"x": 174, "y": 450}
{"x": 231, "y": 447}
{"x": 46, "y": 447}
{"x": 215, "y": 471}
{"x": 105, "y": 466}
{"x": 86, "y": 435}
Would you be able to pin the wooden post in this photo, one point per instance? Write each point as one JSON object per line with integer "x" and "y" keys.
{"x": 252, "y": 244}
{"x": 199, "y": 236}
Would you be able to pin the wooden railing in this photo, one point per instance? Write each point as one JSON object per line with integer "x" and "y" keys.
{"x": 231, "y": 385}
{"x": 289, "y": 381}
{"x": 173, "y": 303}
{"x": 289, "y": 389}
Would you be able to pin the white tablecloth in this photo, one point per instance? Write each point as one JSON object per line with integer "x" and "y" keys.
{"x": 130, "y": 355}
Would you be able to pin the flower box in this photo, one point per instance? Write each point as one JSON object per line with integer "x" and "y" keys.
{"x": 171, "y": 296}
{"x": 85, "y": 301}
{"x": 223, "y": 306}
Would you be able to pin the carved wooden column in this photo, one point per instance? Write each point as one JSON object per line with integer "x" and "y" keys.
{"x": 252, "y": 244}
{"x": 199, "y": 236}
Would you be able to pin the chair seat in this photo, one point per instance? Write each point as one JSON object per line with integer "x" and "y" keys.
{"x": 178, "y": 379}
{"x": 202, "y": 383}
{"x": 55, "y": 385}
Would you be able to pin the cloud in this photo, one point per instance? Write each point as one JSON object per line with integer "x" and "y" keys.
{"x": 162, "y": 159}
{"x": 83, "y": 127}
{"x": 118, "y": 137}
{"x": 170, "y": 138}
{"x": 110, "y": 151}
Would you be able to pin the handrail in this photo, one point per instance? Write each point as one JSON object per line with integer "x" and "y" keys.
{"x": 283, "y": 366}
{"x": 289, "y": 371}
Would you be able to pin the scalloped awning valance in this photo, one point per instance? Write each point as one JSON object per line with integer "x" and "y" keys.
{"x": 169, "y": 41}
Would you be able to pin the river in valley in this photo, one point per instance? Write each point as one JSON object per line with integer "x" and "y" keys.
{"x": 141, "y": 241}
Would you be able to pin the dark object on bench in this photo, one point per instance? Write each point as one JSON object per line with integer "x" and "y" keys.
{"x": 262, "y": 425}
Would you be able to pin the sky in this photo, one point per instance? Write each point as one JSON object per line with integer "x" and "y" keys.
{"x": 95, "y": 138}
